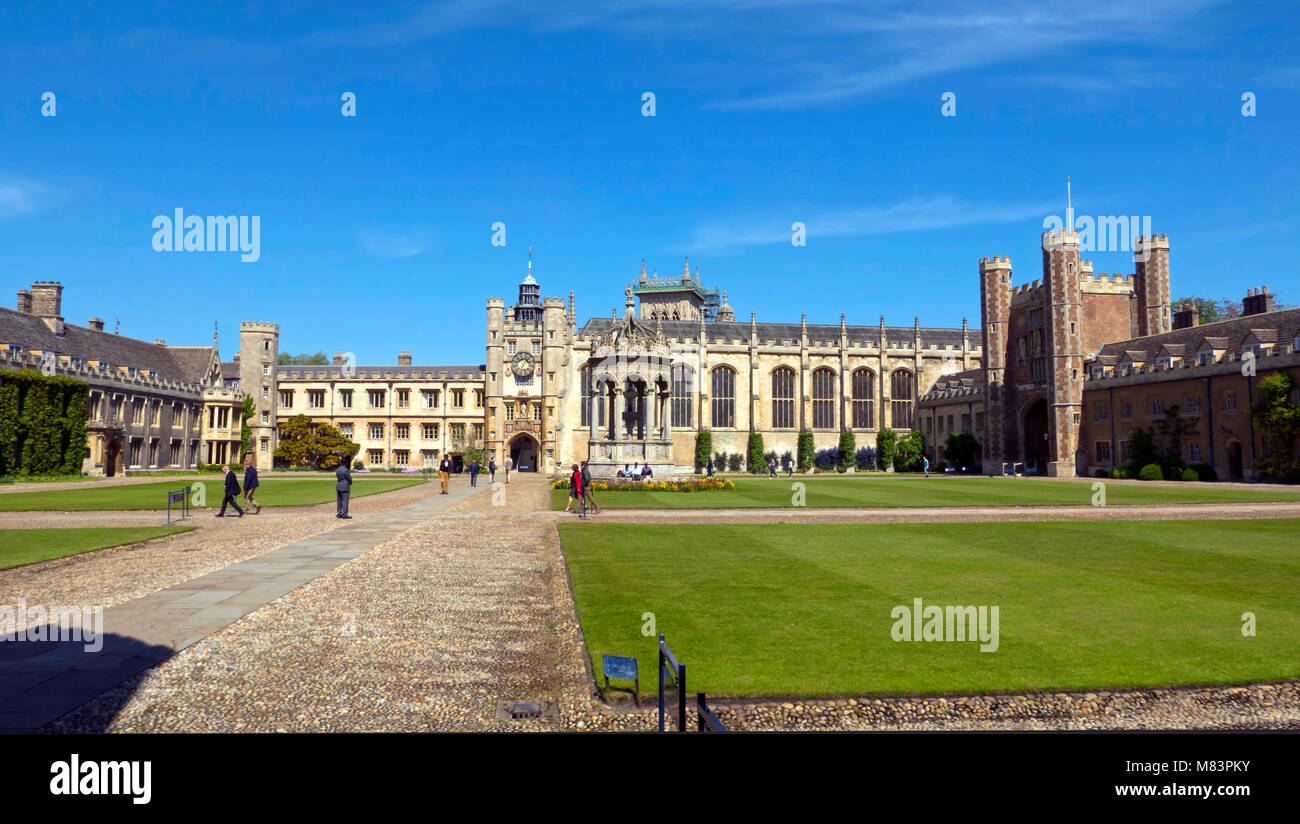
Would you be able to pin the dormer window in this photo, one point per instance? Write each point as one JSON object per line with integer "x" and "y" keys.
{"x": 1295, "y": 344}
{"x": 1205, "y": 358}
{"x": 1165, "y": 361}
{"x": 1253, "y": 348}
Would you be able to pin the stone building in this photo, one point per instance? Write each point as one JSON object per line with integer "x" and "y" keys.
{"x": 402, "y": 416}
{"x": 150, "y": 406}
{"x": 1075, "y": 361}
{"x": 1199, "y": 379}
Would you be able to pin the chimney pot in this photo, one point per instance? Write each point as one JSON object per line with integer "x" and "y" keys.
{"x": 97, "y": 324}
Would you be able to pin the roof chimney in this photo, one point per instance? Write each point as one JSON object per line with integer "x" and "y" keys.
{"x": 1257, "y": 302}
{"x": 403, "y": 358}
{"x": 97, "y": 324}
{"x": 47, "y": 302}
{"x": 1187, "y": 316}
{"x": 25, "y": 301}
{"x": 339, "y": 360}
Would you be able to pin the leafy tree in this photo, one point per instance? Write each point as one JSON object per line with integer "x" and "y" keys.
{"x": 1142, "y": 450}
{"x": 886, "y": 448}
{"x": 807, "y": 453}
{"x": 304, "y": 442}
{"x": 757, "y": 461}
{"x": 848, "y": 449}
{"x": 303, "y": 359}
{"x": 960, "y": 449}
{"x": 1173, "y": 427}
{"x": 1279, "y": 417}
{"x": 911, "y": 447}
{"x": 1208, "y": 309}
{"x": 703, "y": 448}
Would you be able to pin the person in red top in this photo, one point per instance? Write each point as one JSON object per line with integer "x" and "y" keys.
{"x": 575, "y": 492}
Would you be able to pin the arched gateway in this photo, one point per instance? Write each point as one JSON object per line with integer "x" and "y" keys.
{"x": 524, "y": 450}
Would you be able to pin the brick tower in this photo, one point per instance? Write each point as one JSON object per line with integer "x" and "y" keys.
{"x": 259, "y": 351}
{"x": 1061, "y": 273}
{"x": 1151, "y": 284}
{"x": 995, "y": 316}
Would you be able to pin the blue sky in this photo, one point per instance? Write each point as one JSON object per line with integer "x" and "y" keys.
{"x": 376, "y": 229}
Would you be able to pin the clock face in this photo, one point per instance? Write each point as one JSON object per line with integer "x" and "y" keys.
{"x": 522, "y": 365}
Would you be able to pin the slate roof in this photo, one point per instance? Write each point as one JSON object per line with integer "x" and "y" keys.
{"x": 725, "y": 331}
{"x": 193, "y": 361}
{"x": 1280, "y": 327}
{"x": 30, "y": 332}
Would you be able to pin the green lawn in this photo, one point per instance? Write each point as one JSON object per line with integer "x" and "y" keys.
{"x": 19, "y": 547}
{"x": 782, "y": 609}
{"x": 274, "y": 491}
{"x": 887, "y": 491}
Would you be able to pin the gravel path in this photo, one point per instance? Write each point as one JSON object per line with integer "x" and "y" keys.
{"x": 114, "y": 576}
{"x": 428, "y": 631}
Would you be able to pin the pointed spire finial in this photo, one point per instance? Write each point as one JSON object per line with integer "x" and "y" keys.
{"x": 1069, "y": 207}
{"x": 214, "y": 334}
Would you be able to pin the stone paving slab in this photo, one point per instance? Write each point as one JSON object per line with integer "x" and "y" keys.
{"x": 41, "y": 681}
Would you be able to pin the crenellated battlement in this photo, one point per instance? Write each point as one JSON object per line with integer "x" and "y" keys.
{"x": 995, "y": 263}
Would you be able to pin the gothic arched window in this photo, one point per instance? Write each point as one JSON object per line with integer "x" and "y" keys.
{"x": 864, "y": 399}
{"x": 900, "y": 399}
{"x": 823, "y": 398}
{"x": 683, "y": 395}
{"x": 783, "y": 378}
{"x": 724, "y": 397}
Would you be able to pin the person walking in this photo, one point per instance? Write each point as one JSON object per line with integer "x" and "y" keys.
{"x": 473, "y": 472}
{"x": 588, "y": 496}
{"x": 444, "y": 472}
{"x": 925, "y": 465}
{"x": 575, "y": 489}
{"x": 709, "y": 468}
{"x": 231, "y": 493}
{"x": 251, "y": 484}
{"x": 492, "y": 470}
{"x": 771, "y": 468}
{"x": 343, "y": 490}
{"x": 510, "y": 464}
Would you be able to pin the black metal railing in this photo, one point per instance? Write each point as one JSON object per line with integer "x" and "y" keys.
{"x": 670, "y": 667}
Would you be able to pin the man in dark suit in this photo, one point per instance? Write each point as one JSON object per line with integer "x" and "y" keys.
{"x": 251, "y": 484}
{"x": 231, "y": 492}
{"x": 473, "y": 472}
{"x": 344, "y": 489}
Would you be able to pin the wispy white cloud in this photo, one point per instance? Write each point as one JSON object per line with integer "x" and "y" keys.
{"x": 790, "y": 54}
{"x": 913, "y": 215}
{"x": 19, "y": 197}
{"x": 390, "y": 245}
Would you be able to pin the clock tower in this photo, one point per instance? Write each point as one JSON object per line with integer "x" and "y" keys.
{"x": 525, "y": 362}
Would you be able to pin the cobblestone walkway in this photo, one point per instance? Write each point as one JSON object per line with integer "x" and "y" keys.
{"x": 42, "y": 680}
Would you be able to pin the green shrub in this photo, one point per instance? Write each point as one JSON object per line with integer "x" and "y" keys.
{"x": 848, "y": 449}
{"x": 703, "y": 448}
{"x": 757, "y": 461}
{"x": 49, "y": 436}
{"x": 1151, "y": 472}
{"x": 911, "y": 448}
{"x": 807, "y": 454}
{"x": 886, "y": 448}
{"x": 735, "y": 462}
{"x": 1189, "y": 474}
{"x": 1119, "y": 473}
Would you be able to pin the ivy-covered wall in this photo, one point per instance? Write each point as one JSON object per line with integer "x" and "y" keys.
{"x": 42, "y": 423}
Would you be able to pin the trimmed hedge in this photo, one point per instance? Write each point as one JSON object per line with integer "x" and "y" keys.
{"x": 807, "y": 453}
{"x": 757, "y": 461}
{"x": 703, "y": 449}
{"x": 1151, "y": 472}
{"x": 42, "y": 424}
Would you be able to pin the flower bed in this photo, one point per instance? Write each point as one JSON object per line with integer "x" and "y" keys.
{"x": 692, "y": 485}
